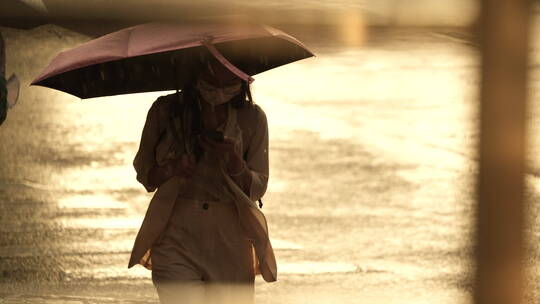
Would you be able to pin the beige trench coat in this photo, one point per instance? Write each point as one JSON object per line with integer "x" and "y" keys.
{"x": 154, "y": 150}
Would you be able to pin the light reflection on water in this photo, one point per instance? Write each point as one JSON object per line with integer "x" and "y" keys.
{"x": 316, "y": 268}
{"x": 422, "y": 107}
{"x": 103, "y": 223}
{"x": 100, "y": 178}
{"x": 304, "y": 268}
{"x": 90, "y": 201}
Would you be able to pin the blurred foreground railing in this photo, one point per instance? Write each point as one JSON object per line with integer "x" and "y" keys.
{"x": 500, "y": 239}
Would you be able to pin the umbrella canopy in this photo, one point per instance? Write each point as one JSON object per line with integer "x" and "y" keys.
{"x": 161, "y": 56}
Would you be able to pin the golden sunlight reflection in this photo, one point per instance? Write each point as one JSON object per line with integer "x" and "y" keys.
{"x": 120, "y": 246}
{"x": 99, "y": 178}
{"x": 90, "y": 201}
{"x": 102, "y": 223}
{"x": 304, "y": 268}
{"x": 316, "y": 268}
{"x": 285, "y": 245}
{"x": 385, "y": 105}
{"x": 89, "y": 247}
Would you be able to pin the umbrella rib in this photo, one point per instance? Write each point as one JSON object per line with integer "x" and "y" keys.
{"x": 128, "y": 43}
{"x": 226, "y": 62}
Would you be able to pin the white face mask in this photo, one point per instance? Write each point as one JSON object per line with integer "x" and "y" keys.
{"x": 216, "y": 96}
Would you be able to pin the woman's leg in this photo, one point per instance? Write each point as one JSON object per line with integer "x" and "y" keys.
{"x": 175, "y": 279}
{"x": 180, "y": 292}
{"x": 230, "y": 293}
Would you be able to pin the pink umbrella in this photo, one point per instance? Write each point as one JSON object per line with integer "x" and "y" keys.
{"x": 157, "y": 57}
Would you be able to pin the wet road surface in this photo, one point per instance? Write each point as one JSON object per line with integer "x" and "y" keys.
{"x": 370, "y": 195}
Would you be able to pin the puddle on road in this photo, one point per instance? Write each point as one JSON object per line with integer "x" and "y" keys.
{"x": 310, "y": 268}
{"x": 285, "y": 245}
{"x": 103, "y": 223}
{"x": 302, "y": 268}
{"x": 78, "y": 248}
{"x": 90, "y": 201}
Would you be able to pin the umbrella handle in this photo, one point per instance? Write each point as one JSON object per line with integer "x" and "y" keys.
{"x": 245, "y": 77}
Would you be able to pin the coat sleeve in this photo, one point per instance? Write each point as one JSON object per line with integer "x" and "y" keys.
{"x": 145, "y": 159}
{"x": 257, "y": 156}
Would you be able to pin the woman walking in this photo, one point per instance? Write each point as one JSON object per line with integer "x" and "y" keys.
{"x": 205, "y": 149}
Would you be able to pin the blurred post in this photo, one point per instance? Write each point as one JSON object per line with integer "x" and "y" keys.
{"x": 504, "y": 31}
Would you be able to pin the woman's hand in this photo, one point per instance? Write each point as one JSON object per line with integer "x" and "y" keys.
{"x": 228, "y": 150}
{"x": 183, "y": 166}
